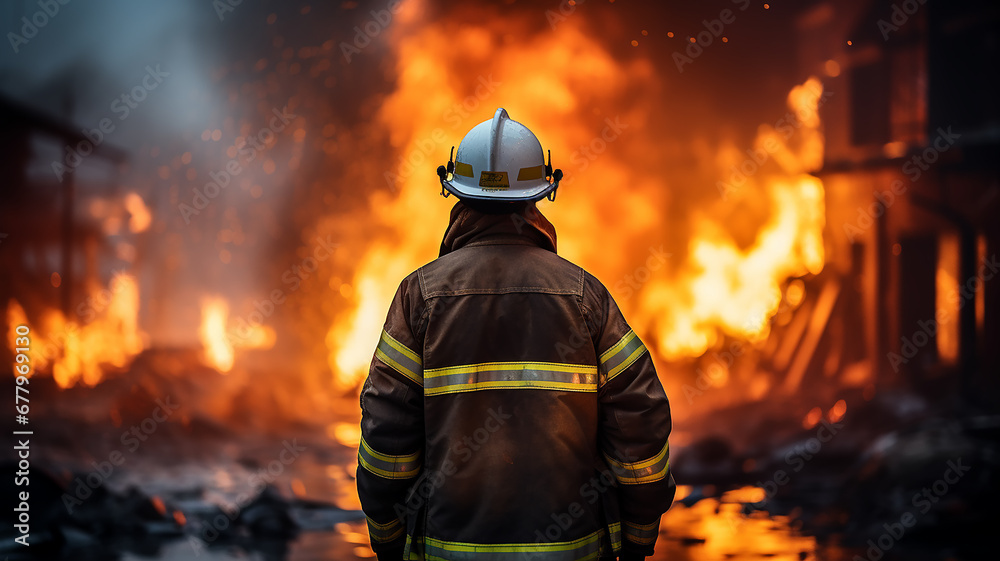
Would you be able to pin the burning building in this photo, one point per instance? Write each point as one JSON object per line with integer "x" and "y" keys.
{"x": 795, "y": 205}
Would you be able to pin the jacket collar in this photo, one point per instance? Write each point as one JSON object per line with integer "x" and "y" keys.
{"x": 470, "y": 227}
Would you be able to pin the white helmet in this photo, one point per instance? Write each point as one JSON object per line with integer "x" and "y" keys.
{"x": 499, "y": 160}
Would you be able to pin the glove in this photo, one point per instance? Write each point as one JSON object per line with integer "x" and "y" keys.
{"x": 631, "y": 557}
{"x": 395, "y": 554}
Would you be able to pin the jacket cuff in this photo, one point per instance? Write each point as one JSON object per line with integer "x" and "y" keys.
{"x": 639, "y": 539}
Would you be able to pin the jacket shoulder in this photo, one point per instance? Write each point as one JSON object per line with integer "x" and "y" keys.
{"x": 500, "y": 269}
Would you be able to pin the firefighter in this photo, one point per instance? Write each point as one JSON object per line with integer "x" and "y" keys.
{"x": 510, "y": 412}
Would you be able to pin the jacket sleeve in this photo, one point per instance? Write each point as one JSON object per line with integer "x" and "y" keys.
{"x": 634, "y": 423}
{"x": 392, "y": 424}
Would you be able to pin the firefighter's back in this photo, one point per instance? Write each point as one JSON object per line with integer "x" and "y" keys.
{"x": 510, "y": 401}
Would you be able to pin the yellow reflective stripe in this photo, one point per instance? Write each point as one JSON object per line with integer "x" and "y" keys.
{"x": 615, "y": 533}
{"x": 646, "y": 471}
{"x": 617, "y": 346}
{"x": 485, "y": 366}
{"x": 510, "y": 375}
{"x": 587, "y": 547}
{"x": 462, "y": 168}
{"x": 642, "y": 534}
{"x": 621, "y": 355}
{"x": 400, "y": 347}
{"x": 384, "y": 533}
{"x": 398, "y": 357}
{"x": 534, "y": 172}
{"x": 386, "y": 465}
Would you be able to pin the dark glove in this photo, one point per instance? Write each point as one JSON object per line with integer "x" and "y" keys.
{"x": 631, "y": 557}
{"x": 395, "y": 554}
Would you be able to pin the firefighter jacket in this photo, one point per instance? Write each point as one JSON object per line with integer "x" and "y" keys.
{"x": 510, "y": 412}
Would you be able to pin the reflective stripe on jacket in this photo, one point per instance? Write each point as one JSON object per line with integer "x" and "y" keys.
{"x": 510, "y": 411}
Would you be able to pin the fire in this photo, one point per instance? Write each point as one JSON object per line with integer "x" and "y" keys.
{"x": 220, "y": 343}
{"x": 416, "y": 114}
{"x": 726, "y": 283}
{"x": 104, "y": 335}
{"x": 140, "y": 218}
{"x": 726, "y": 289}
{"x": 218, "y": 348}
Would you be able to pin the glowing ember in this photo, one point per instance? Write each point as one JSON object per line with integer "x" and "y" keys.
{"x": 141, "y": 217}
{"x": 836, "y": 412}
{"x": 158, "y": 505}
{"x": 811, "y": 418}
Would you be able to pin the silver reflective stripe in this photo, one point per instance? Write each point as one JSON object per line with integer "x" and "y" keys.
{"x": 646, "y": 471}
{"x": 642, "y": 534}
{"x": 621, "y": 355}
{"x": 510, "y": 375}
{"x": 400, "y": 358}
{"x": 587, "y": 547}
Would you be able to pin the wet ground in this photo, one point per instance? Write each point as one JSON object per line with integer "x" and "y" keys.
{"x": 317, "y": 489}
{"x": 710, "y": 530}
{"x": 169, "y": 498}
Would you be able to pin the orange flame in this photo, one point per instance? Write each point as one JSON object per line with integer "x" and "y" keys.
{"x": 218, "y": 348}
{"x": 725, "y": 285}
{"x": 219, "y": 345}
{"x": 726, "y": 289}
{"x": 81, "y": 353}
{"x": 141, "y": 217}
